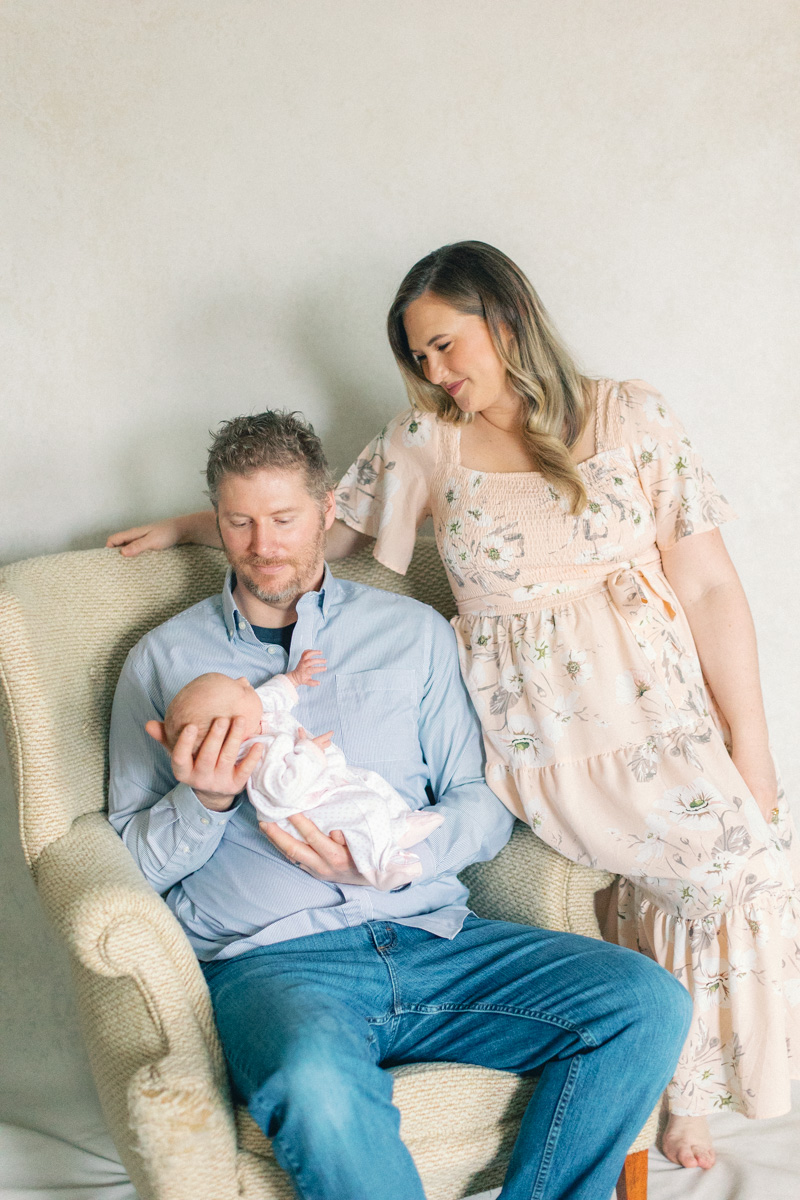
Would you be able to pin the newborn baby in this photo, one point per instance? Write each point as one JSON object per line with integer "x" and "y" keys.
{"x": 298, "y": 773}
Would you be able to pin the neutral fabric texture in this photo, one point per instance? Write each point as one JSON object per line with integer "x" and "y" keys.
{"x": 66, "y": 624}
{"x": 599, "y": 729}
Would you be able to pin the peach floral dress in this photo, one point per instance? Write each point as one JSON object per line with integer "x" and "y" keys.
{"x": 600, "y": 731}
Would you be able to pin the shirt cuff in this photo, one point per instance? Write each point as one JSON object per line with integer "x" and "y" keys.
{"x": 200, "y": 819}
{"x": 430, "y": 865}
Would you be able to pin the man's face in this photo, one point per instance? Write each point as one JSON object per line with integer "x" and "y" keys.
{"x": 273, "y": 532}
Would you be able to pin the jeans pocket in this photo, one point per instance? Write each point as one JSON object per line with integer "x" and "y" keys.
{"x": 378, "y": 713}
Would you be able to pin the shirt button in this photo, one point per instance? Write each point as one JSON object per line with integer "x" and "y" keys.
{"x": 271, "y": 650}
{"x": 204, "y": 821}
{"x": 185, "y": 849}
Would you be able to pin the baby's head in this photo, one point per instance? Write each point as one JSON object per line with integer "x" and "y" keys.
{"x": 207, "y": 697}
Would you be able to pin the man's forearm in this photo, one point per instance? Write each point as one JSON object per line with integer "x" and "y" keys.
{"x": 476, "y": 826}
{"x": 172, "y": 838}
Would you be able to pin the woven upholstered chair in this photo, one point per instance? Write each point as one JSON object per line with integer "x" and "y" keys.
{"x": 66, "y": 624}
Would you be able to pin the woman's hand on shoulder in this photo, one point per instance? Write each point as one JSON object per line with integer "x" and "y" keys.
{"x": 200, "y": 528}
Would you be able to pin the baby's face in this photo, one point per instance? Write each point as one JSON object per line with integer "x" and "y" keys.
{"x": 211, "y": 696}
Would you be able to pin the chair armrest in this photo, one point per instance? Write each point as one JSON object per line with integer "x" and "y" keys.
{"x": 89, "y": 885}
{"x": 531, "y": 883}
{"x": 146, "y": 1017}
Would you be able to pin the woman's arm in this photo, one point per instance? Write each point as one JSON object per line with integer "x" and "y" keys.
{"x": 705, "y": 581}
{"x": 341, "y": 540}
{"x": 201, "y": 529}
{"x": 197, "y": 527}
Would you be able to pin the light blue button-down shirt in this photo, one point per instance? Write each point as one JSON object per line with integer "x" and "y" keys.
{"x": 394, "y": 697}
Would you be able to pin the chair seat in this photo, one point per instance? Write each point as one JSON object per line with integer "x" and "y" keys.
{"x": 459, "y": 1122}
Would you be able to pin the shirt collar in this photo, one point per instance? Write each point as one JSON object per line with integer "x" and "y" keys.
{"x": 236, "y": 621}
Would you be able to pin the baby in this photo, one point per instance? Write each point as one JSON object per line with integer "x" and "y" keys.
{"x": 298, "y": 773}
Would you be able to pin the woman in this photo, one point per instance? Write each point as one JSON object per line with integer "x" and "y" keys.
{"x": 608, "y": 648}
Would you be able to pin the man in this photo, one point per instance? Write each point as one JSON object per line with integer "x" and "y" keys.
{"x": 319, "y": 982}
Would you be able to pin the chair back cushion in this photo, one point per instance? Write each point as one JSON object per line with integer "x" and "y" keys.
{"x": 67, "y": 621}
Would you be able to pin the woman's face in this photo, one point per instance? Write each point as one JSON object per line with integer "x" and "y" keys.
{"x": 455, "y": 351}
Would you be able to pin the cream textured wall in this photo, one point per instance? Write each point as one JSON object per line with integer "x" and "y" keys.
{"x": 208, "y": 206}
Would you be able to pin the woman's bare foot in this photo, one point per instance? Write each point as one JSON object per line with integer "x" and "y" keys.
{"x": 687, "y": 1141}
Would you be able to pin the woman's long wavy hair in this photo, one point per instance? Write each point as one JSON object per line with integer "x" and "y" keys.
{"x": 476, "y": 278}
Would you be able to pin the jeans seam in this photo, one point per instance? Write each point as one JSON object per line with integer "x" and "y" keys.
{"x": 508, "y": 1010}
{"x": 555, "y": 1130}
{"x": 290, "y": 1159}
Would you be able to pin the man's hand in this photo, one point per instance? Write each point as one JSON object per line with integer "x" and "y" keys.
{"x": 212, "y": 773}
{"x": 324, "y": 857}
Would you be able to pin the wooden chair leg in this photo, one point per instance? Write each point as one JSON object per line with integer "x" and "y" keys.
{"x": 632, "y": 1183}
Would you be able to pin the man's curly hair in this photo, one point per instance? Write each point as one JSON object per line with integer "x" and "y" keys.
{"x": 274, "y": 439}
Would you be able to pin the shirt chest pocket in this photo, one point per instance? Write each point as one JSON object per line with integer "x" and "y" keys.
{"x": 377, "y": 713}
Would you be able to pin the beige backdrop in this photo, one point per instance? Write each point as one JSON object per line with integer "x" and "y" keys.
{"x": 208, "y": 206}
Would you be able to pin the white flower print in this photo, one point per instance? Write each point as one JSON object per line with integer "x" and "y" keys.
{"x": 526, "y": 746}
{"x": 496, "y": 550}
{"x": 540, "y": 653}
{"x": 554, "y": 725}
{"x": 633, "y": 686}
{"x": 653, "y": 846}
{"x": 597, "y": 517}
{"x": 452, "y": 490}
{"x": 480, "y": 517}
{"x": 578, "y": 670}
{"x": 528, "y": 591}
{"x": 679, "y": 465}
{"x": 722, "y": 867}
{"x": 656, "y": 410}
{"x": 646, "y": 452}
{"x": 696, "y": 805}
{"x": 741, "y": 962}
{"x": 418, "y": 429}
{"x": 455, "y": 528}
{"x": 712, "y": 984}
{"x": 511, "y": 679}
{"x": 759, "y": 929}
{"x": 475, "y": 481}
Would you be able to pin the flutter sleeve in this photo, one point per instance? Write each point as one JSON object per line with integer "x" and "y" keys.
{"x": 684, "y": 496}
{"x": 386, "y": 492}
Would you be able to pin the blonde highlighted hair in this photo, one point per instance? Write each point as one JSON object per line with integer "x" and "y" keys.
{"x": 476, "y": 278}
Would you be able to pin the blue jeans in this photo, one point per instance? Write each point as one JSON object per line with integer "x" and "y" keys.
{"x": 308, "y": 1026}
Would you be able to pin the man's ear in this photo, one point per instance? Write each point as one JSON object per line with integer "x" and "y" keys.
{"x": 330, "y": 509}
{"x": 157, "y": 732}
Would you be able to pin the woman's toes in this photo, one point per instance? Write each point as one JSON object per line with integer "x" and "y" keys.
{"x": 687, "y": 1142}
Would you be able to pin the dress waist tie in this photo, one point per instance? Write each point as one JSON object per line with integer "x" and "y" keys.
{"x": 632, "y": 588}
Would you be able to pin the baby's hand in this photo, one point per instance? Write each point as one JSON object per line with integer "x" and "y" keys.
{"x": 311, "y": 662}
{"x": 322, "y": 740}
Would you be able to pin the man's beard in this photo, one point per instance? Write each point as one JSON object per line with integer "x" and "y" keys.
{"x": 306, "y": 570}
